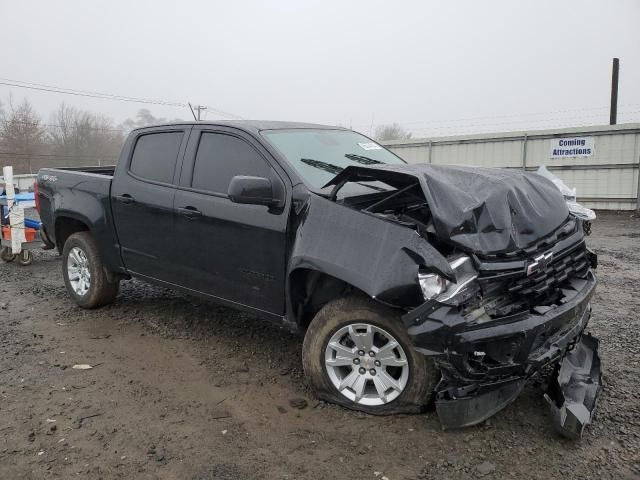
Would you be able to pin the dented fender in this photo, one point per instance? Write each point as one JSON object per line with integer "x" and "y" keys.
{"x": 381, "y": 258}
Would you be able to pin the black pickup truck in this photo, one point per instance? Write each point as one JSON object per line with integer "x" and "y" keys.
{"x": 413, "y": 284}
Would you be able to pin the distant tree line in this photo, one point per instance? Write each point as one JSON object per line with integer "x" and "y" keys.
{"x": 75, "y": 137}
{"x": 392, "y": 131}
{"x": 72, "y": 137}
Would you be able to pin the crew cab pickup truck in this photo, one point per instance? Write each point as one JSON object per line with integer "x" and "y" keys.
{"x": 414, "y": 285}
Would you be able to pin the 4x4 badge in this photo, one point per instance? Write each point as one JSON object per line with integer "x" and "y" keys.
{"x": 539, "y": 263}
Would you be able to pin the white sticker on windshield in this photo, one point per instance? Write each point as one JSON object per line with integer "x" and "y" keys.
{"x": 370, "y": 146}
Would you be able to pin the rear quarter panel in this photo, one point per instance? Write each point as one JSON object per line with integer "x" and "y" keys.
{"x": 85, "y": 197}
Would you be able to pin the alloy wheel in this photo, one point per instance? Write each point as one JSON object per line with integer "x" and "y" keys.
{"x": 78, "y": 271}
{"x": 366, "y": 364}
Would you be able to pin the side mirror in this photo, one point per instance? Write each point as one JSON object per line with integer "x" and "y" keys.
{"x": 252, "y": 191}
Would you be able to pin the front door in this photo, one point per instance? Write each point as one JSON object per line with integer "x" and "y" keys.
{"x": 228, "y": 250}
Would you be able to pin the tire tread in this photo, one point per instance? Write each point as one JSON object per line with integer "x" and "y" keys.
{"x": 350, "y": 309}
{"x": 101, "y": 291}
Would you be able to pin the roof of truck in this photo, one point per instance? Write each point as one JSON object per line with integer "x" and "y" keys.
{"x": 252, "y": 125}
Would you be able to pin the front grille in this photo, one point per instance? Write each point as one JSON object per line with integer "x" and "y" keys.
{"x": 566, "y": 230}
{"x": 572, "y": 262}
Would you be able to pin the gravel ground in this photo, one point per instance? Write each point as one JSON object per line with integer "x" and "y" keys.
{"x": 188, "y": 390}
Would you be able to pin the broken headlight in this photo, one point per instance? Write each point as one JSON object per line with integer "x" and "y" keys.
{"x": 433, "y": 285}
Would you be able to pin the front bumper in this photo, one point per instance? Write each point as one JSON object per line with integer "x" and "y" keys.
{"x": 485, "y": 366}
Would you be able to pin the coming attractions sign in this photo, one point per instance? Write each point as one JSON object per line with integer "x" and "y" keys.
{"x": 571, "y": 147}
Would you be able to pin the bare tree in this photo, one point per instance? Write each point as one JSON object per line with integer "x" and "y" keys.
{"x": 73, "y": 137}
{"x": 392, "y": 131}
{"x": 21, "y": 136}
{"x": 144, "y": 118}
{"x": 80, "y": 138}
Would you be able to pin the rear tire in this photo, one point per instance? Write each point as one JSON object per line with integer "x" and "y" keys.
{"x": 84, "y": 272}
{"x": 411, "y": 390}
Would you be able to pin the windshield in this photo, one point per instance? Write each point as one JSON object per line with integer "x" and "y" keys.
{"x": 319, "y": 155}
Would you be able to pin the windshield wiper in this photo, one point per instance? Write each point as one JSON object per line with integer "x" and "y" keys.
{"x": 334, "y": 170}
{"x": 327, "y": 167}
{"x": 362, "y": 159}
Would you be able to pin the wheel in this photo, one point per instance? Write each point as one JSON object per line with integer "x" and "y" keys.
{"x": 6, "y": 255}
{"x": 25, "y": 257}
{"x": 84, "y": 272}
{"x": 357, "y": 353}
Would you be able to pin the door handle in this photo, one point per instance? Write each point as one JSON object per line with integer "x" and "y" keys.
{"x": 126, "y": 199}
{"x": 190, "y": 212}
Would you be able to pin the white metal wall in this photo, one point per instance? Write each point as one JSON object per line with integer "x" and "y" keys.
{"x": 23, "y": 182}
{"x": 608, "y": 179}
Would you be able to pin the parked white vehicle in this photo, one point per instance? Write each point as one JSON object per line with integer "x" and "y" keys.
{"x": 570, "y": 197}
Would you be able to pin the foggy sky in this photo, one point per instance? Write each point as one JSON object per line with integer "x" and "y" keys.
{"x": 434, "y": 67}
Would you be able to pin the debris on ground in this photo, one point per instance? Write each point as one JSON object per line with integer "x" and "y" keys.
{"x": 82, "y": 366}
{"x": 299, "y": 403}
{"x": 485, "y": 468}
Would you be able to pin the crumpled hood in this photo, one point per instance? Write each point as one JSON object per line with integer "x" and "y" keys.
{"x": 485, "y": 210}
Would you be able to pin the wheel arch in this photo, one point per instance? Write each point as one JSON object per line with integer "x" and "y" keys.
{"x": 66, "y": 224}
{"x": 310, "y": 289}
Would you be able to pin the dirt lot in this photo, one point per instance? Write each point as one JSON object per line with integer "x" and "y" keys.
{"x": 187, "y": 390}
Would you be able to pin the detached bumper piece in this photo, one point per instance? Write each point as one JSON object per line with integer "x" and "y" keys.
{"x": 573, "y": 391}
{"x": 572, "y": 394}
{"x": 457, "y": 408}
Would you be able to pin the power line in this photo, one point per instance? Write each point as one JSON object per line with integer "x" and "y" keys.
{"x": 103, "y": 96}
{"x": 80, "y": 93}
{"x": 101, "y": 129}
{"x": 100, "y": 94}
{"x": 491, "y": 117}
{"x": 557, "y": 122}
{"x": 515, "y": 122}
{"x": 222, "y": 112}
{"x": 84, "y": 127}
{"x": 22, "y": 154}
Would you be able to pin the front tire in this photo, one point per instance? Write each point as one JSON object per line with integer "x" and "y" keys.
{"x": 84, "y": 272}
{"x": 357, "y": 353}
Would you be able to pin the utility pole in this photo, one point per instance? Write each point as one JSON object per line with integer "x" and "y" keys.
{"x": 613, "y": 112}
{"x": 200, "y": 108}
{"x": 197, "y": 108}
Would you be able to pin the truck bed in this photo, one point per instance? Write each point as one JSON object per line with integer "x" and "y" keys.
{"x": 107, "y": 170}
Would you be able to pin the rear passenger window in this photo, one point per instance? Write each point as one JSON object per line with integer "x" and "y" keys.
{"x": 221, "y": 157}
{"x": 154, "y": 156}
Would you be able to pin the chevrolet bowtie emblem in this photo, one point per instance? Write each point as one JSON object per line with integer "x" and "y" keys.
{"x": 539, "y": 264}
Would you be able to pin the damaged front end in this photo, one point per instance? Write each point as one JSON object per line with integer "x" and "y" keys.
{"x": 515, "y": 301}
{"x": 486, "y": 362}
{"x": 489, "y": 336}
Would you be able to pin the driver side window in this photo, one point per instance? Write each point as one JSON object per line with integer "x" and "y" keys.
{"x": 220, "y": 157}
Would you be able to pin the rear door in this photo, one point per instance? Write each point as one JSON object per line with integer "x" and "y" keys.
{"x": 142, "y": 201}
{"x": 231, "y": 251}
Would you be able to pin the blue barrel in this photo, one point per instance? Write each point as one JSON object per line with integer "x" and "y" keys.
{"x": 32, "y": 223}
